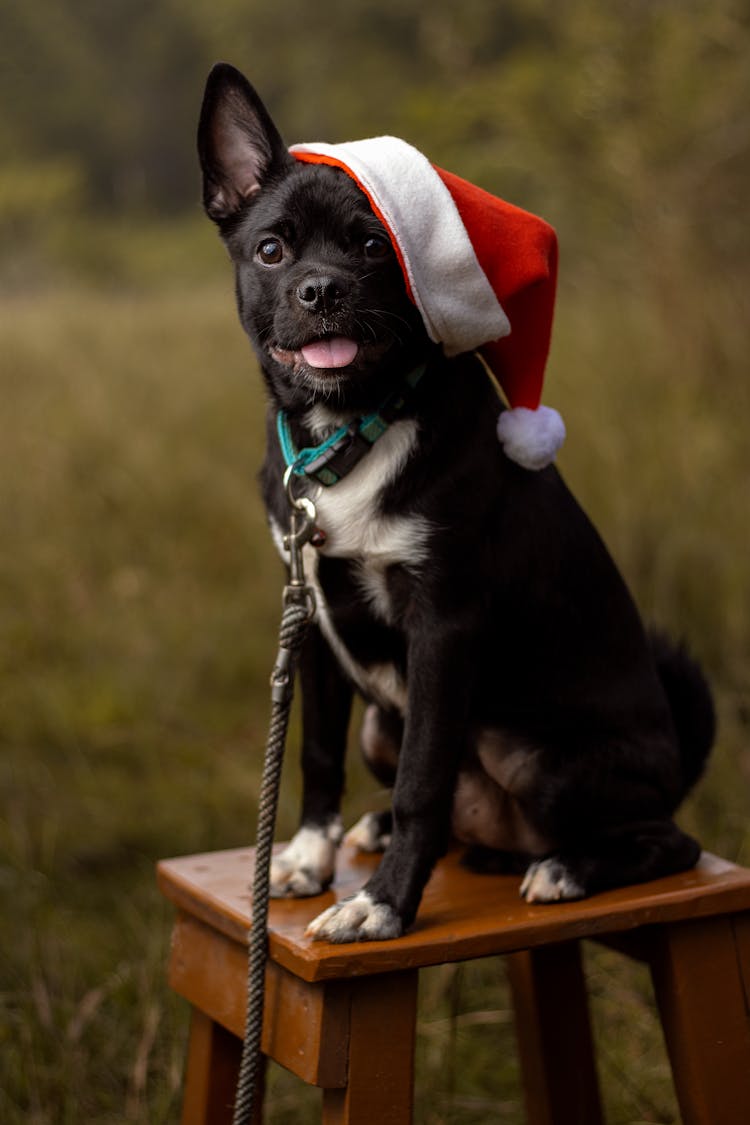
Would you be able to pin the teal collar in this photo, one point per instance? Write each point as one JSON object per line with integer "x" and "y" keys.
{"x": 338, "y": 454}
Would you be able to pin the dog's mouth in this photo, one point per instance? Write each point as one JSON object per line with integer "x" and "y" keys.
{"x": 329, "y": 353}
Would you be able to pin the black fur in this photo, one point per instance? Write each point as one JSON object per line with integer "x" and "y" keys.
{"x": 518, "y": 622}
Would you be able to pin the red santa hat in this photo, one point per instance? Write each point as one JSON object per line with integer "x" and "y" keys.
{"x": 481, "y": 272}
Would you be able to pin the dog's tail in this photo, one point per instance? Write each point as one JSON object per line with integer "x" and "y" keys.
{"x": 690, "y": 702}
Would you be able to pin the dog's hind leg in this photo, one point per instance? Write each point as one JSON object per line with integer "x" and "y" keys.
{"x": 633, "y": 854}
{"x": 372, "y": 832}
{"x": 380, "y": 742}
{"x": 307, "y": 865}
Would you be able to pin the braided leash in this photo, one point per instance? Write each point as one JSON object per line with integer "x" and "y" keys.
{"x": 298, "y": 610}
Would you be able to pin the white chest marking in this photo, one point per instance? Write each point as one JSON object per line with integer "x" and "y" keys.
{"x": 348, "y": 514}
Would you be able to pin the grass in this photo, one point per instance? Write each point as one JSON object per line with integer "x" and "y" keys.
{"x": 139, "y": 607}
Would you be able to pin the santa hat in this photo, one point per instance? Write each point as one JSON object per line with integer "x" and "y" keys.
{"x": 481, "y": 272}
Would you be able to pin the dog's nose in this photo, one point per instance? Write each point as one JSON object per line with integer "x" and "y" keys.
{"x": 319, "y": 293}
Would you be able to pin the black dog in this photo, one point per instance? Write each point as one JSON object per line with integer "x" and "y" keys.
{"x": 515, "y": 699}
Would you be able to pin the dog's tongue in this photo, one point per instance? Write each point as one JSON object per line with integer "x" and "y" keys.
{"x": 338, "y": 351}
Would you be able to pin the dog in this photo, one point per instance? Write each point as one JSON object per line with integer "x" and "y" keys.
{"x": 514, "y": 699}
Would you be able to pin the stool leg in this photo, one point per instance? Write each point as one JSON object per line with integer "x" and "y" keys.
{"x": 213, "y": 1064}
{"x": 697, "y": 969}
{"x": 380, "y": 1079}
{"x": 554, "y": 1036}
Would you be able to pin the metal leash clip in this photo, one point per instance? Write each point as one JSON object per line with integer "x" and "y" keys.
{"x": 302, "y": 517}
{"x": 298, "y": 596}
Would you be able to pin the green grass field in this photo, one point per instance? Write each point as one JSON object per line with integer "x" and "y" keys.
{"x": 140, "y": 596}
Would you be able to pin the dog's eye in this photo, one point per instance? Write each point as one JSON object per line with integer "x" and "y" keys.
{"x": 271, "y": 251}
{"x": 377, "y": 247}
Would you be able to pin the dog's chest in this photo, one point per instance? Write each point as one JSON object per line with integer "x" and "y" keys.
{"x": 349, "y": 513}
{"x": 371, "y": 543}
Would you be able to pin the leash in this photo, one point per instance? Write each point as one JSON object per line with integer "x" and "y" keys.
{"x": 297, "y": 613}
{"x": 326, "y": 463}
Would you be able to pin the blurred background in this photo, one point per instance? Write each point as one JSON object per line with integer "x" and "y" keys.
{"x": 140, "y": 594}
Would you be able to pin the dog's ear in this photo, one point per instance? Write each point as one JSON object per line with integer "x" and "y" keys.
{"x": 238, "y": 143}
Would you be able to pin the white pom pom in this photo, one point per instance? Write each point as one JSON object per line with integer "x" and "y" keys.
{"x": 531, "y": 438}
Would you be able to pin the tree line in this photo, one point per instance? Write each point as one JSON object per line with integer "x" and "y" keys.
{"x": 615, "y": 121}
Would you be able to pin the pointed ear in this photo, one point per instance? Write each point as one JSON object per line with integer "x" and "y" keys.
{"x": 238, "y": 143}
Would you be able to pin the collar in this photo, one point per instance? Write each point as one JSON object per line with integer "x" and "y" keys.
{"x": 328, "y": 462}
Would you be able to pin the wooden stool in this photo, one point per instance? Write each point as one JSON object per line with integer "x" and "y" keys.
{"x": 343, "y": 1016}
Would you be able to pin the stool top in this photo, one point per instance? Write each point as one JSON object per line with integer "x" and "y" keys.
{"x": 462, "y": 915}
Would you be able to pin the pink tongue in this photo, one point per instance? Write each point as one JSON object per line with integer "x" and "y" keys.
{"x": 336, "y": 352}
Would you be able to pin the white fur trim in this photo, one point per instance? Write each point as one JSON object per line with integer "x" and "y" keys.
{"x": 531, "y": 438}
{"x": 459, "y": 307}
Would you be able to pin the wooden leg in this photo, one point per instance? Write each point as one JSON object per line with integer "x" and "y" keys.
{"x": 554, "y": 1036}
{"x": 211, "y": 1076}
{"x": 699, "y": 971}
{"x": 380, "y": 1078}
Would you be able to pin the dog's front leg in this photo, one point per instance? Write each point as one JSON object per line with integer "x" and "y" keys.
{"x": 306, "y": 865}
{"x": 435, "y": 735}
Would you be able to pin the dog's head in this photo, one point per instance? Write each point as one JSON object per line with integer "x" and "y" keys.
{"x": 320, "y": 291}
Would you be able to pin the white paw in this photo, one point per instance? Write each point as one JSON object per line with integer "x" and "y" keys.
{"x": 306, "y": 866}
{"x": 356, "y": 919}
{"x": 366, "y": 836}
{"x": 548, "y": 880}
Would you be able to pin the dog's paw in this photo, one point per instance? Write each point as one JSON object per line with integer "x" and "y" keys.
{"x": 306, "y": 866}
{"x": 371, "y": 833}
{"x": 358, "y": 918}
{"x": 549, "y": 880}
